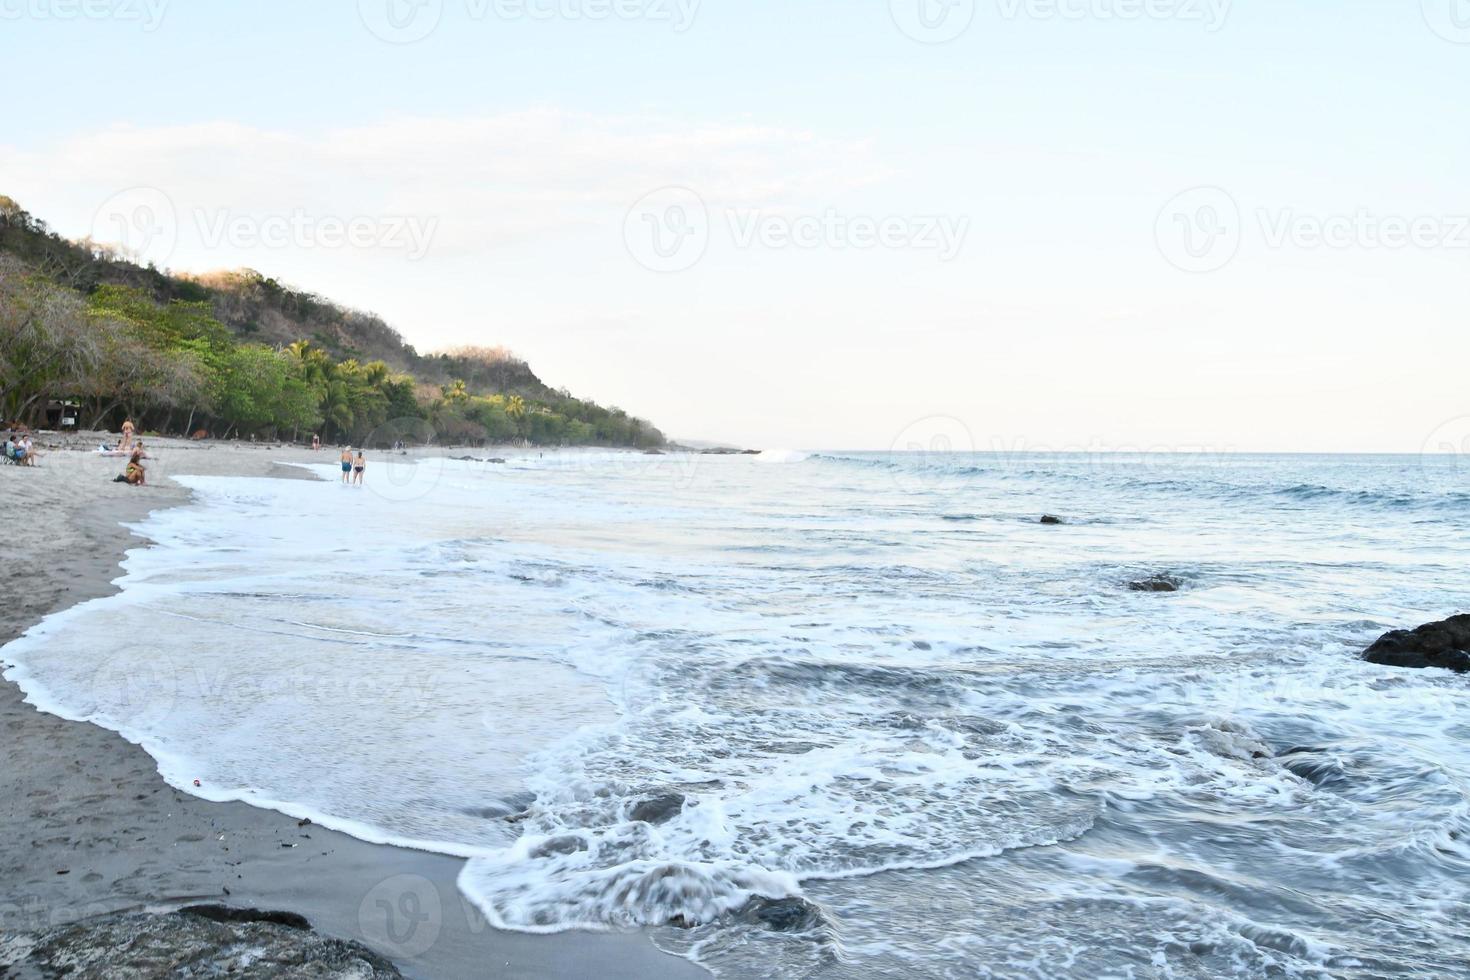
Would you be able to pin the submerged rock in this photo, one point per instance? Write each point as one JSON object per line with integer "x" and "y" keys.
{"x": 556, "y": 846}
{"x": 226, "y": 914}
{"x": 1051, "y": 519}
{"x": 1445, "y": 644}
{"x": 657, "y": 809}
{"x": 783, "y": 914}
{"x": 200, "y": 941}
{"x": 1158, "y": 583}
{"x": 1316, "y": 765}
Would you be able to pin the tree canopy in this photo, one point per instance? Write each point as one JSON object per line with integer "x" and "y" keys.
{"x": 179, "y": 355}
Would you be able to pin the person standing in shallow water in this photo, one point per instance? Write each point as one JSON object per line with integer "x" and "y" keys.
{"x": 346, "y": 465}
{"x": 358, "y": 465}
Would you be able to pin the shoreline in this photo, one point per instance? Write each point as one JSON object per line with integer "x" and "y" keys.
{"x": 95, "y": 829}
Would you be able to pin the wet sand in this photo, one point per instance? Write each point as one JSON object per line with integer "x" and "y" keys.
{"x": 91, "y": 828}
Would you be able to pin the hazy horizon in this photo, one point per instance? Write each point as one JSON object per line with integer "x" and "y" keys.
{"x": 1091, "y": 225}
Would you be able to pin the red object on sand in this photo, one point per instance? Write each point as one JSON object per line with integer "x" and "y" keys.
{"x": 196, "y": 782}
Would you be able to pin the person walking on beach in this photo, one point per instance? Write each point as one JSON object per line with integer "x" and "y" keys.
{"x": 358, "y": 465}
{"x": 346, "y": 465}
{"x": 127, "y": 436}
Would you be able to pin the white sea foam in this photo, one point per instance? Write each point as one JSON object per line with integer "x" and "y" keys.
{"x": 699, "y": 681}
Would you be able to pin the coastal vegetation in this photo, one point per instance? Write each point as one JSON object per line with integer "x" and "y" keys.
{"x": 87, "y": 334}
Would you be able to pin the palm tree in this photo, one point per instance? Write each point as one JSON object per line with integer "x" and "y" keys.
{"x": 336, "y": 407}
{"x": 315, "y": 366}
{"x": 515, "y": 407}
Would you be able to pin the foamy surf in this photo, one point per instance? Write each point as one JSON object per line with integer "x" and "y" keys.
{"x": 797, "y": 715}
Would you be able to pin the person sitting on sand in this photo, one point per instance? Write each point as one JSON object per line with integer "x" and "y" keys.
{"x": 20, "y": 450}
{"x": 346, "y": 465}
{"x": 136, "y": 473}
{"x": 358, "y": 465}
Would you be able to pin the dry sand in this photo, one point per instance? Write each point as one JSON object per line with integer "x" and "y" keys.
{"x": 91, "y": 828}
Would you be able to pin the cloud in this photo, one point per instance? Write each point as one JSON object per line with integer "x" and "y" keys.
{"x": 487, "y": 182}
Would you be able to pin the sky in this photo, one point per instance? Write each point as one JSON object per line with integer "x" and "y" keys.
{"x": 1099, "y": 225}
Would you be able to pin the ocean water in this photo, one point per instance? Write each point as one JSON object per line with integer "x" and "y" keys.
{"x": 871, "y": 682}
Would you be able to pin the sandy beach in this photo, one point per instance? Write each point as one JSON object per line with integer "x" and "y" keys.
{"x": 91, "y": 828}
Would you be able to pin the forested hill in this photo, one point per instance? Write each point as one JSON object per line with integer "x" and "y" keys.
{"x": 238, "y": 353}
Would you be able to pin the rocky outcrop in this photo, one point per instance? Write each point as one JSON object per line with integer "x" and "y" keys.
{"x": 1156, "y": 583}
{"x": 201, "y": 941}
{"x": 782, "y": 914}
{"x": 1445, "y": 645}
{"x": 1051, "y": 519}
{"x": 657, "y": 809}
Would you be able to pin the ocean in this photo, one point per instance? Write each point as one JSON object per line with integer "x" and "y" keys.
{"x": 655, "y": 690}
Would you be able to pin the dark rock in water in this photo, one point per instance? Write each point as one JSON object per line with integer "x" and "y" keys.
{"x": 1159, "y": 583}
{"x": 202, "y": 941}
{"x": 1051, "y": 519}
{"x": 657, "y": 809}
{"x": 783, "y": 914}
{"x": 1313, "y": 765}
{"x": 1445, "y": 645}
{"x": 514, "y": 805}
{"x": 568, "y": 844}
{"x": 223, "y": 913}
